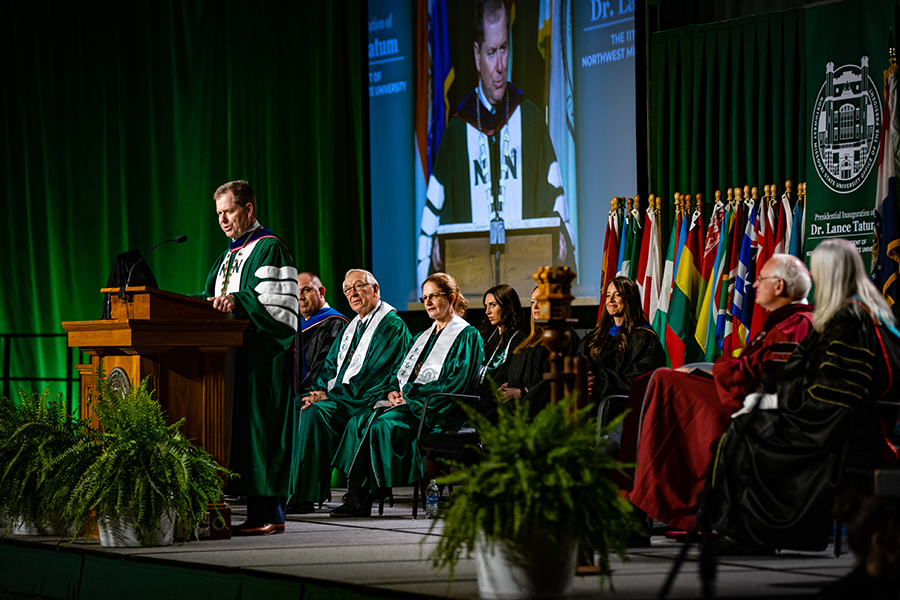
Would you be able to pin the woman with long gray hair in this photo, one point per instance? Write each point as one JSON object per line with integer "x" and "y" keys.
{"x": 779, "y": 463}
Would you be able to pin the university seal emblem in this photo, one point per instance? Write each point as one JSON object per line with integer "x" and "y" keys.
{"x": 846, "y": 126}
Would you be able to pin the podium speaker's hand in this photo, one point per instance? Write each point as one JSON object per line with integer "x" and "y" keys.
{"x": 223, "y": 304}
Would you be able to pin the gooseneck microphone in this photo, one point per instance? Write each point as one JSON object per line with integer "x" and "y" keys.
{"x": 178, "y": 240}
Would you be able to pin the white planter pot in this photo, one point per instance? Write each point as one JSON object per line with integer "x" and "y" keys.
{"x": 118, "y": 531}
{"x": 54, "y": 528}
{"x": 533, "y": 568}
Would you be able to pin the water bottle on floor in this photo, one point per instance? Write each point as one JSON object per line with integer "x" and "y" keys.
{"x": 431, "y": 500}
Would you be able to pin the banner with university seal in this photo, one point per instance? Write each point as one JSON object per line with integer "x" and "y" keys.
{"x": 846, "y": 52}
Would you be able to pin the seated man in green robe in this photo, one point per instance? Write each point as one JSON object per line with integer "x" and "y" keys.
{"x": 360, "y": 369}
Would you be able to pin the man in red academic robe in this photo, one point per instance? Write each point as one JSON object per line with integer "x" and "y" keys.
{"x": 677, "y": 415}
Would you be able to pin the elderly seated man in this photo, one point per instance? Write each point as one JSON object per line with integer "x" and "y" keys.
{"x": 360, "y": 369}
{"x": 676, "y": 416}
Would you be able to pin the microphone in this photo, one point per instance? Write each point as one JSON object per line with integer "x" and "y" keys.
{"x": 178, "y": 240}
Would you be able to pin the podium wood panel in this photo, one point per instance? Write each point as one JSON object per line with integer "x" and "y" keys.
{"x": 180, "y": 344}
{"x": 471, "y": 262}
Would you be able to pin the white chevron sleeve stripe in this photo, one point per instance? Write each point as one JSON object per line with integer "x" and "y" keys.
{"x": 289, "y": 288}
{"x": 283, "y": 316}
{"x": 270, "y": 272}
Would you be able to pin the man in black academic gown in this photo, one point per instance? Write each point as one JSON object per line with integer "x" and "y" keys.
{"x": 320, "y": 325}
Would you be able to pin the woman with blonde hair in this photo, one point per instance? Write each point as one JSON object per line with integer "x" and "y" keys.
{"x": 529, "y": 362}
{"x": 780, "y": 461}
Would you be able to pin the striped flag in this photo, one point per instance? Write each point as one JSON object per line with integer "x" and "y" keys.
{"x": 610, "y": 252}
{"x": 886, "y": 251}
{"x": 710, "y": 249}
{"x": 766, "y": 241}
{"x": 636, "y": 240}
{"x": 659, "y": 321}
{"x": 730, "y": 341}
{"x": 649, "y": 272}
{"x": 798, "y": 227}
{"x": 715, "y": 263}
{"x": 625, "y": 243}
{"x": 682, "y": 323}
{"x": 785, "y": 222}
{"x": 742, "y": 308}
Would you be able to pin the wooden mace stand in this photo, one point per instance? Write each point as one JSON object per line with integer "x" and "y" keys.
{"x": 180, "y": 343}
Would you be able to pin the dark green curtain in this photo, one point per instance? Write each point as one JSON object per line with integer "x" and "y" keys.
{"x": 727, "y": 106}
{"x": 118, "y": 120}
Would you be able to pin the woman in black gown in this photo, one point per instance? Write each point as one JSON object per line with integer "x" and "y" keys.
{"x": 502, "y": 330}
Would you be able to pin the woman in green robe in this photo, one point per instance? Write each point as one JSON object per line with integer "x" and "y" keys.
{"x": 379, "y": 449}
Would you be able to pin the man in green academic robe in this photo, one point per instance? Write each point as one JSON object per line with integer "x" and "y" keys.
{"x": 255, "y": 279}
{"x": 359, "y": 370}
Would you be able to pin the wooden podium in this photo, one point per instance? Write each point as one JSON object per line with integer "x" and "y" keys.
{"x": 180, "y": 343}
{"x": 530, "y": 244}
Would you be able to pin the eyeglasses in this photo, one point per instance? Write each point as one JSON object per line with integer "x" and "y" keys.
{"x": 764, "y": 278}
{"x": 357, "y": 287}
{"x": 425, "y": 299}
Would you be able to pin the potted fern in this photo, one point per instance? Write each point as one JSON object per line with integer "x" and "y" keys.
{"x": 34, "y": 434}
{"x": 540, "y": 494}
{"x": 139, "y": 473}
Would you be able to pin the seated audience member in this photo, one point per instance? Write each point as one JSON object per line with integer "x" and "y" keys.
{"x": 681, "y": 413}
{"x": 622, "y": 346}
{"x": 502, "y": 330}
{"x": 529, "y": 362}
{"x": 379, "y": 448}
{"x": 320, "y": 325}
{"x": 360, "y": 369}
{"x": 873, "y": 531}
{"x": 778, "y": 463}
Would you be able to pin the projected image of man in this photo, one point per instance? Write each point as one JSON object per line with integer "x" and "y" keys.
{"x": 485, "y": 169}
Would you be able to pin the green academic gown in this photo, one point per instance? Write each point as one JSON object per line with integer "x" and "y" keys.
{"x": 349, "y": 391}
{"x": 379, "y": 447}
{"x": 261, "y": 276}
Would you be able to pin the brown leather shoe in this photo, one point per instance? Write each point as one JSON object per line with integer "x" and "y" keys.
{"x": 245, "y": 529}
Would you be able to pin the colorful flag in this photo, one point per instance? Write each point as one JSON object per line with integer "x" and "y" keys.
{"x": 798, "y": 227}
{"x": 886, "y": 250}
{"x": 785, "y": 222}
{"x": 742, "y": 308}
{"x": 610, "y": 252}
{"x": 710, "y": 250}
{"x": 681, "y": 325}
{"x": 766, "y": 242}
{"x": 636, "y": 240}
{"x": 731, "y": 343}
{"x": 715, "y": 262}
{"x": 649, "y": 269}
{"x": 442, "y": 77}
{"x": 659, "y": 321}
{"x": 623, "y": 269}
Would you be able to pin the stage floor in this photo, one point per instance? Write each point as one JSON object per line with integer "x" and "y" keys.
{"x": 379, "y": 557}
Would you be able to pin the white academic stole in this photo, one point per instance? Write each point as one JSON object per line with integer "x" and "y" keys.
{"x": 480, "y": 178}
{"x": 431, "y": 368}
{"x": 359, "y": 355}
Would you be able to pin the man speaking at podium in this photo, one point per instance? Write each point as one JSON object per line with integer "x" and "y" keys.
{"x": 255, "y": 279}
{"x": 496, "y": 162}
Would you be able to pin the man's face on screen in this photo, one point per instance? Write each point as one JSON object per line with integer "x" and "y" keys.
{"x": 492, "y": 57}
